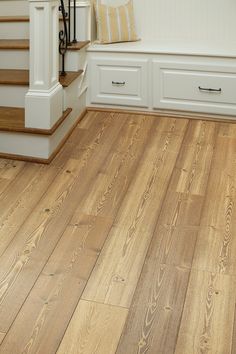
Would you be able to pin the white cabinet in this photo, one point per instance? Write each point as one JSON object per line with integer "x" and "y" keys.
{"x": 162, "y": 76}
{"x": 119, "y": 82}
{"x": 194, "y": 87}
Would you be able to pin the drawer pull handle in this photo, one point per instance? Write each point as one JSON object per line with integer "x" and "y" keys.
{"x": 117, "y": 83}
{"x": 209, "y": 89}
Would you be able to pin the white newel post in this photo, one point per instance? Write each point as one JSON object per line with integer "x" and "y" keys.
{"x": 43, "y": 102}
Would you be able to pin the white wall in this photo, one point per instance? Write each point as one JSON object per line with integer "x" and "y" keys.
{"x": 207, "y": 20}
{"x": 199, "y": 20}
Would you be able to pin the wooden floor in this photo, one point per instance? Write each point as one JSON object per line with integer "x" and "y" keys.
{"x": 125, "y": 244}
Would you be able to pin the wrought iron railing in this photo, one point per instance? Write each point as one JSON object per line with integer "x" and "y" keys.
{"x": 68, "y": 15}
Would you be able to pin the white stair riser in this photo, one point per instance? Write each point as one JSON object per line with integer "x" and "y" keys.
{"x": 14, "y": 30}
{"x": 73, "y": 93}
{"x": 14, "y": 7}
{"x": 14, "y": 59}
{"x": 31, "y": 145}
{"x": 17, "y": 30}
{"x": 68, "y": 123}
{"x": 75, "y": 60}
{"x": 12, "y": 96}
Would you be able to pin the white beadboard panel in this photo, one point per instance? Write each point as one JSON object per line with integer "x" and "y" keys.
{"x": 200, "y": 20}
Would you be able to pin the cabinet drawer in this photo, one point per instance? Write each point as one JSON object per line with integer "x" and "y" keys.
{"x": 122, "y": 82}
{"x": 195, "y": 90}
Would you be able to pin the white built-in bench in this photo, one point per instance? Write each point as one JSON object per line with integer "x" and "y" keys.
{"x": 164, "y": 75}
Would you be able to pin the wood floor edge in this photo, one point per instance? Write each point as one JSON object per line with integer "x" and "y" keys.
{"x": 54, "y": 153}
{"x": 165, "y": 113}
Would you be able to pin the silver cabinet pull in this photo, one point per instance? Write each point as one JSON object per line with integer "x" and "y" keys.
{"x": 117, "y": 83}
{"x": 209, "y": 89}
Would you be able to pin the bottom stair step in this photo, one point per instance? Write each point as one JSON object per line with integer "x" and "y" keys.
{"x": 12, "y": 119}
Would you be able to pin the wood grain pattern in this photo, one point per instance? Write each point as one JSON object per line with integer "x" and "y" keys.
{"x": 117, "y": 172}
{"x": 32, "y": 183}
{"x": 10, "y": 169}
{"x": 114, "y": 282}
{"x": 63, "y": 277}
{"x": 85, "y": 334}
{"x": 207, "y": 323}
{"x": 152, "y": 324}
{"x": 23, "y": 260}
{"x": 2, "y": 335}
{"x": 216, "y": 246}
{"x": 124, "y": 243}
{"x": 155, "y": 313}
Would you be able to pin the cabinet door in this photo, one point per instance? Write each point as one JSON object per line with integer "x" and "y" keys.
{"x": 199, "y": 88}
{"x": 119, "y": 82}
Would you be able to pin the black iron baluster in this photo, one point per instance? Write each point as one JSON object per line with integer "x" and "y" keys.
{"x": 74, "y": 40}
{"x": 63, "y": 37}
{"x": 69, "y": 21}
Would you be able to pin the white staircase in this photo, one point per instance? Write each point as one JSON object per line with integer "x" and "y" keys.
{"x": 38, "y": 109}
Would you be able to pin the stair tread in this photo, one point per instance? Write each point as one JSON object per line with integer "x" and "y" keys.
{"x": 14, "y": 77}
{"x": 12, "y": 119}
{"x": 14, "y": 18}
{"x": 78, "y": 45}
{"x": 20, "y": 44}
{"x": 21, "y": 77}
{"x": 70, "y": 76}
{"x": 23, "y": 44}
{"x": 18, "y": 19}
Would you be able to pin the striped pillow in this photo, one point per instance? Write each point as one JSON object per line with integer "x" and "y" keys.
{"x": 115, "y": 24}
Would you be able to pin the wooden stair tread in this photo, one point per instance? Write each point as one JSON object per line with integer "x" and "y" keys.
{"x": 9, "y": 44}
{"x": 19, "y": 19}
{"x": 70, "y": 76}
{"x": 14, "y": 18}
{"x": 12, "y": 119}
{"x": 21, "y": 77}
{"x": 79, "y": 45}
{"x": 23, "y": 44}
{"x": 14, "y": 77}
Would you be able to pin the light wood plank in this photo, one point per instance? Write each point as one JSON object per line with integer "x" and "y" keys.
{"x": 111, "y": 187}
{"x": 216, "y": 249}
{"x": 24, "y": 259}
{"x": 155, "y": 313}
{"x": 20, "y": 198}
{"x": 94, "y": 328}
{"x": 9, "y": 169}
{"x": 207, "y": 322}
{"x": 152, "y": 323}
{"x": 113, "y": 282}
{"x": 4, "y": 183}
{"x": 53, "y": 299}
{"x": 216, "y": 245}
{"x": 117, "y": 172}
{"x": 193, "y": 164}
{"x": 2, "y": 335}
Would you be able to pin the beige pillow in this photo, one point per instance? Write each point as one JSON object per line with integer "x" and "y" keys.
{"x": 115, "y": 23}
